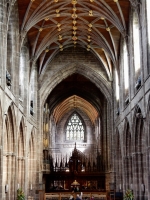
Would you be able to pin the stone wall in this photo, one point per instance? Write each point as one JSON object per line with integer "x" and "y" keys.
{"x": 131, "y": 132}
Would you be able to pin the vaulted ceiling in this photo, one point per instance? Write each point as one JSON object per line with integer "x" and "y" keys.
{"x": 75, "y": 102}
{"x": 53, "y": 25}
{"x": 73, "y": 93}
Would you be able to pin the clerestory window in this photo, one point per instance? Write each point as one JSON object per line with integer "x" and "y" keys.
{"x": 75, "y": 129}
{"x": 117, "y": 86}
{"x": 126, "y": 67}
{"x": 136, "y": 42}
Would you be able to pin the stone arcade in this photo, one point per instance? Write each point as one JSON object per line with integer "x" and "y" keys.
{"x": 74, "y": 96}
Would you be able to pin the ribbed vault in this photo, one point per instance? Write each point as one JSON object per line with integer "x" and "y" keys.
{"x": 65, "y": 93}
{"x": 72, "y": 103}
{"x": 53, "y": 25}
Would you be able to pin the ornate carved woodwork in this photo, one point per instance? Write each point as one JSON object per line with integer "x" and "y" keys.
{"x": 89, "y": 173}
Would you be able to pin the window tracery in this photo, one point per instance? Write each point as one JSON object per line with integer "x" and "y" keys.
{"x": 75, "y": 129}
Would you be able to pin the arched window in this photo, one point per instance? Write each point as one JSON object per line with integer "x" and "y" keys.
{"x": 125, "y": 66}
{"x": 21, "y": 76}
{"x": 136, "y": 42}
{"x": 33, "y": 92}
{"x": 75, "y": 129}
{"x": 117, "y": 87}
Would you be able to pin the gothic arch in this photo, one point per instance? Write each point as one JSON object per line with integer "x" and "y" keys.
{"x": 21, "y": 139}
{"x": 10, "y": 149}
{"x": 127, "y": 138}
{"x": 32, "y": 160}
{"x": 21, "y": 155}
{"x": 10, "y": 122}
{"x": 80, "y": 118}
{"x": 118, "y": 161}
{"x": 69, "y": 69}
{"x": 138, "y": 155}
{"x": 128, "y": 175}
{"x": 138, "y": 130}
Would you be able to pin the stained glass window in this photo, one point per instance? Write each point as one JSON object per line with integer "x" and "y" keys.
{"x": 75, "y": 129}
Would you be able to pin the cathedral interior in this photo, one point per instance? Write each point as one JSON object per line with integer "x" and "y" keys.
{"x": 74, "y": 98}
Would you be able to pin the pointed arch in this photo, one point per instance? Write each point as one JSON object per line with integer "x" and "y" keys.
{"x": 10, "y": 122}
{"x": 9, "y": 159}
{"x": 75, "y": 128}
{"x": 32, "y": 159}
{"x": 138, "y": 156}
{"x": 127, "y": 138}
{"x": 21, "y": 139}
{"x": 138, "y": 126}
{"x": 128, "y": 171}
{"x": 118, "y": 161}
{"x": 68, "y": 70}
{"x": 21, "y": 155}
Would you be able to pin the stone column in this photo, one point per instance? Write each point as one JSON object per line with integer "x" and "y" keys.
{"x": 126, "y": 173}
{"x": 137, "y": 175}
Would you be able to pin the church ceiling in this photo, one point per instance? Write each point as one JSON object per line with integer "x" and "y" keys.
{"x": 54, "y": 25}
{"x": 76, "y": 93}
{"x": 73, "y": 103}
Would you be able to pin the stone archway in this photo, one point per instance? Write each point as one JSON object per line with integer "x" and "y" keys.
{"x": 118, "y": 162}
{"x": 138, "y": 153}
{"x": 128, "y": 176}
{"x": 9, "y": 158}
{"x": 21, "y": 156}
{"x": 32, "y": 180}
